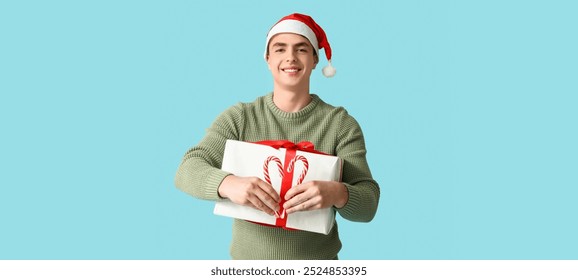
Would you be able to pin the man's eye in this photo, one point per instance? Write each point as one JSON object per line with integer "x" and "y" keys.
{"x": 302, "y": 50}
{"x": 279, "y": 50}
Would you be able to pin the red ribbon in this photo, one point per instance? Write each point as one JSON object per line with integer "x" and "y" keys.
{"x": 305, "y": 146}
{"x": 287, "y": 181}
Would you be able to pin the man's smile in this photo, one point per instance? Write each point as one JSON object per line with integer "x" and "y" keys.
{"x": 291, "y": 70}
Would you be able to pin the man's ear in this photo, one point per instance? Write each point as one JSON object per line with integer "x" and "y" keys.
{"x": 315, "y": 61}
{"x": 267, "y": 61}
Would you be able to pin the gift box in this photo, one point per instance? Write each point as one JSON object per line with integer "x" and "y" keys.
{"x": 283, "y": 165}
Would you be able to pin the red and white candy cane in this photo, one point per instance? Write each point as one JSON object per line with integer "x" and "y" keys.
{"x": 305, "y": 167}
{"x": 266, "y": 173}
{"x": 266, "y": 168}
{"x": 290, "y": 168}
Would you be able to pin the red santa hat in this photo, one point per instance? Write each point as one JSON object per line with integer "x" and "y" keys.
{"x": 305, "y": 26}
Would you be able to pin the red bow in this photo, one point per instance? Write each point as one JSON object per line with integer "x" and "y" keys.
{"x": 305, "y": 146}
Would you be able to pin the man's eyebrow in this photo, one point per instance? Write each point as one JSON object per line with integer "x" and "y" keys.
{"x": 280, "y": 44}
{"x": 302, "y": 44}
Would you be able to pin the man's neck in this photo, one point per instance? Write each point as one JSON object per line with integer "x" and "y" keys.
{"x": 291, "y": 101}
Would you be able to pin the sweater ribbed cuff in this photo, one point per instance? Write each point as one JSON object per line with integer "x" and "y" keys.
{"x": 353, "y": 201}
{"x": 214, "y": 180}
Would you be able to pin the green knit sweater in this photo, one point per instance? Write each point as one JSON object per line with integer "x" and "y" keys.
{"x": 331, "y": 129}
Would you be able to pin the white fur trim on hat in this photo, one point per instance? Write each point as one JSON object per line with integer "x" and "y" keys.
{"x": 292, "y": 26}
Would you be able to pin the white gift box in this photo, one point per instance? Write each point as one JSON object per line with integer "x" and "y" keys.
{"x": 282, "y": 167}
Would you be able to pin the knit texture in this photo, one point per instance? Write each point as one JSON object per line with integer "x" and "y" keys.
{"x": 331, "y": 129}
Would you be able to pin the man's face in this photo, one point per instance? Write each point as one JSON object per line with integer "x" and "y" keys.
{"x": 291, "y": 59}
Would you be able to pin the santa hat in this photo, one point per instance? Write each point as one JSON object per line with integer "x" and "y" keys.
{"x": 305, "y": 26}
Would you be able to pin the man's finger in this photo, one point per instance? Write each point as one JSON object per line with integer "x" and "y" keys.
{"x": 269, "y": 190}
{"x": 294, "y": 201}
{"x": 268, "y": 201}
{"x": 258, "y": 204}
{"x": 294, "y": 191}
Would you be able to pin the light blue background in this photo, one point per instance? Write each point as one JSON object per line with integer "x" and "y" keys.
{"x": 468, "y": 108}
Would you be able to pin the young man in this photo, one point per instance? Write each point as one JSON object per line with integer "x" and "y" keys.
{"x": 291, "y": 113}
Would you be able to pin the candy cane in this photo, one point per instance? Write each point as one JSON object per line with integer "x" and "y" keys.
{"x": 301, "y": 177}
{"x": 266, "y": 167}
{"x": 266, "y": 174}
{"x": 289, "y": 169}
{"x": 305, "y": 167}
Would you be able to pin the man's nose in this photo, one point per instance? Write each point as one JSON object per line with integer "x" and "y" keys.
{"x": 290, "y": 57}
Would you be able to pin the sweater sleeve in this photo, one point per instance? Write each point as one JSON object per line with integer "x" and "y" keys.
{"x": 363, "y": 189}
{"x": 199, "y": 173}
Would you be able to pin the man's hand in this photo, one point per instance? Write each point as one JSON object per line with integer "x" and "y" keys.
{"x": 316, "y": 195}
{"x": 250, "y": 191}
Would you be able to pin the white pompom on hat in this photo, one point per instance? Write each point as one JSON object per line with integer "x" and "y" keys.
{"x": 305, "y": 26}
